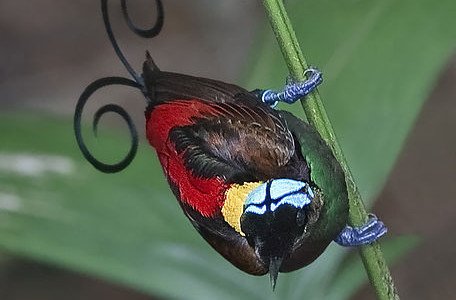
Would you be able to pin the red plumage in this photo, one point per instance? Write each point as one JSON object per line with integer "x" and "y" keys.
{"x": 206, "y": 195}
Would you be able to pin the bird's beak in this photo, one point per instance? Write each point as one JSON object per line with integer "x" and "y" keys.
{"x": 274, "y": 267}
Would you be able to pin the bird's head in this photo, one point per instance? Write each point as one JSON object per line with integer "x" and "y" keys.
{"x": 274, "y": 218}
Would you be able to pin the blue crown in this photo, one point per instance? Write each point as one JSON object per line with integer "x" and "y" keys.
{"x": 274, "y": 193}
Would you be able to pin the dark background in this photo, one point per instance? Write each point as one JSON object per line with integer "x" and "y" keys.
{"x": 51, "y": 51}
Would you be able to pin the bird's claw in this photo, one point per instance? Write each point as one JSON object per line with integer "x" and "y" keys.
{"x": 293, "y": 91}
{"x": 365, "y": 234}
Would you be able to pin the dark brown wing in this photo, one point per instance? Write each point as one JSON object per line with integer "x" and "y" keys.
{"x": 242, "y": 140}
{"x": 240, "y": 143}
{"x": 168, "y": 86}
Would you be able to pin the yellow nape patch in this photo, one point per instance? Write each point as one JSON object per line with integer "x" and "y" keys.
{"x": 234, "y": 203}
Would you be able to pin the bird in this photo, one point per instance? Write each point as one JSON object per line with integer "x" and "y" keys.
{"x": 261, "y": 186}
{"x": 258, "y": 184}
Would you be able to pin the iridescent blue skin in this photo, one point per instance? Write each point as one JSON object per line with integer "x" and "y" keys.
{"x": 274, "y": 193}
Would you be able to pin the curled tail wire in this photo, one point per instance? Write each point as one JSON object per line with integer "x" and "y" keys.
{"x": 145, "y": 33}
{"x": 137, "y": 82}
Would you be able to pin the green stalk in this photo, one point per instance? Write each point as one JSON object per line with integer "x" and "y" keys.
{"x": 372, "y": 256}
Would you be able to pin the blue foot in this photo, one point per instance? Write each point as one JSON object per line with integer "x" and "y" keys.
{"x": 366, "y": 234}
{"x": 293, "y": 91}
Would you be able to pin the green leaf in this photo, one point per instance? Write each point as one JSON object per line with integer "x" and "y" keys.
{"x": 351, "y": 275}
{"x": 380, "y": 60}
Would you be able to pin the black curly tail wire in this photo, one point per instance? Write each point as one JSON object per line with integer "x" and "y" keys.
{"x": 107, "y": 81}
{"x": 145, "y": 33}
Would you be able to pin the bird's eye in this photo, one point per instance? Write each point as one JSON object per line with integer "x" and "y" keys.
{"x": 301, "y": 218}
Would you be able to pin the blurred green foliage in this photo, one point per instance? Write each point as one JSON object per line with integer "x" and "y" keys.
{"x": 380, "y": 60}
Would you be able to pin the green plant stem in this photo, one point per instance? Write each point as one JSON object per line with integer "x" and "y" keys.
{"x": 372, "y": 256}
